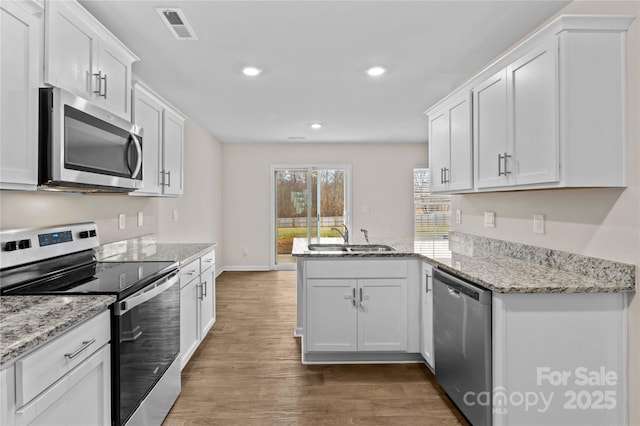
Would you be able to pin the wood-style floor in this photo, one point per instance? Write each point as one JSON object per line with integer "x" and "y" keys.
{"x": 248, "y": 372}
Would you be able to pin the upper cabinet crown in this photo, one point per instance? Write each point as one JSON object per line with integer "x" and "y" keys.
{"x": 550, "y": 113}
{"x": 84, "y": 58}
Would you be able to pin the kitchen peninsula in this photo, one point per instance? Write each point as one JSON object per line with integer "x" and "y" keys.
{"x": 552, "y": 313}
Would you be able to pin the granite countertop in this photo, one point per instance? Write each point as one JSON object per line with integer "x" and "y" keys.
{"x": 29, "y": 321}
{"x": 148, "y": 250}
{"x": 518, "y": 268}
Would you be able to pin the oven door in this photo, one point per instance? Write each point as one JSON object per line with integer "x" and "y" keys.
{"x": 148, "y": 342}
{"x": 86, "y": 146}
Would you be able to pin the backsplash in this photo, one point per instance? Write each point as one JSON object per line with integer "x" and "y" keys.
{"x": 601, "y": 269}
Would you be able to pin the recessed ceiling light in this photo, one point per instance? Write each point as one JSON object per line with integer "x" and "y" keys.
{"x": 316, "y": 126}
{"x": 376, "y": 71}
{"x": 251, "y": 71}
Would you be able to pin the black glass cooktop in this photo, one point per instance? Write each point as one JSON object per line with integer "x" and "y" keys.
{"x": 83, "y": 275}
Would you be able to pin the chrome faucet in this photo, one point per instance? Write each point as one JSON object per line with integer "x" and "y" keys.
{"x": 366, "y": 234}
{"x": 345, "y": 235}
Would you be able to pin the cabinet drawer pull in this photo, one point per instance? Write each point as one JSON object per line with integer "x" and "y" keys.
{"x": 191, "y": 273}
{"x": 208, "y": 261}
{"x": 84, "y": 346}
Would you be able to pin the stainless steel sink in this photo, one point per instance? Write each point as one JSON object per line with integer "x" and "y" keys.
{"x": 327, "y": 247}
{"x": 367, "y": 248}
{"x": 351, "y": 248}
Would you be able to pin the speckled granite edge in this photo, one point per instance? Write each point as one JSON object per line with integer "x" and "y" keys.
{"x": 497, "y": 272}
{"x": 27, "y": 322}
{"x": 599, "y": 269}
{"x": 147, "y": 249}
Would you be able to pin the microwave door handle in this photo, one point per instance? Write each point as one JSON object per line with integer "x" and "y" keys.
{"x": 136, "y": 143}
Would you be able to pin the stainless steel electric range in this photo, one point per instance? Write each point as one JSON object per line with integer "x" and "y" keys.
{"x": 145, "y": 326}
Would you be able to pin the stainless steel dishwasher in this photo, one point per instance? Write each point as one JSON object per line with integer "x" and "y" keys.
{"x": 462, "y": 343}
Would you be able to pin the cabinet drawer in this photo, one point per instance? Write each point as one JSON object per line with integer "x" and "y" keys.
{"x": 375, "y": 268}
{"x": 207, "y": 260}
{"x": 39, "y": 370}
{"x": 189, "y": 272}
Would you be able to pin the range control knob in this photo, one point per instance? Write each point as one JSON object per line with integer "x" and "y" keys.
{"x": 24, "y": 244}
{"x": 11, "y": 246}
{"x": 92, "y": 233}
{"x": 84, "y": 234}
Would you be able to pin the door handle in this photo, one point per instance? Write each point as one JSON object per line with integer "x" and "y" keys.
{"x": 98, "y": 77}
{"x": 453, "y": 292}
{"x": 138, "y": 146}
{"x": 428, "y": 277}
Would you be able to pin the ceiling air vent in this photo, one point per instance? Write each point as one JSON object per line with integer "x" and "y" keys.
{"x": 177, "y": 23}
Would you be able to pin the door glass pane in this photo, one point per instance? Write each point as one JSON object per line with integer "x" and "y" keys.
{"x": 309, "y": 202}
{"x": 330, "y": 198}
{"x": 291, "y": 211}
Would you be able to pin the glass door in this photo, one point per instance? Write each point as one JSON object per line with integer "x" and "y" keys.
{"x": 309, "y": 201}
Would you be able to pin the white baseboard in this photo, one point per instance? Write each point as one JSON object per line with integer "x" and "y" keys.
{"x": 246, "y": 268}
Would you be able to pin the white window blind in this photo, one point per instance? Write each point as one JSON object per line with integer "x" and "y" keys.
{"x": 432, "y": 217}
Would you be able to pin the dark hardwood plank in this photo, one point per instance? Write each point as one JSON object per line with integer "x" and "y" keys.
{"x": 248, "y": 372}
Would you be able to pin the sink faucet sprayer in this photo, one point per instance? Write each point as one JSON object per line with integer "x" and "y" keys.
{"x": 366, "y": 235}
{"x": 344, "y": 235}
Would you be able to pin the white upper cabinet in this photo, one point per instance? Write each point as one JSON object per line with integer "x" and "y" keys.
{"x": 84, "y": 58}
{"x": 550, "y": 113}
{"x": 20, "y": 62}
{"x": 450, "y": 145}
{"x": 515, "y": 115}
{"x": 173, "y": 152}
{"x": 490, "y": 130}
{"x": 162, "y": 141}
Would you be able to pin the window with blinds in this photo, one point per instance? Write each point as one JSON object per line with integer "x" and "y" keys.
{"x": 432, "y": 217}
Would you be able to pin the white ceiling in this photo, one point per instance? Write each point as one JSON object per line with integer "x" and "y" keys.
{"x": 314, "y": 55}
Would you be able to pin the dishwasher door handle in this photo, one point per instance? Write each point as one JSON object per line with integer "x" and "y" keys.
{"x": 453, "y": 292}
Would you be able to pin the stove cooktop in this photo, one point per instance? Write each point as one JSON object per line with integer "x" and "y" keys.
{"x": 116, "y": 278}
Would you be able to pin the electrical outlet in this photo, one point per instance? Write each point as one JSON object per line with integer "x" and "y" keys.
{"x": 175, "y": 215}
{"x": 245, "y": 251}
{"x": 538, "y": 223}
{"x": 140, "y": 219}
{"x": 122, "y": 221}
{"x": 458, "y": 217}
{"x": 490, "y": 219}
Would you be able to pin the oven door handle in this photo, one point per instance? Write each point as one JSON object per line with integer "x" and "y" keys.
{"x": 148, "y": 293}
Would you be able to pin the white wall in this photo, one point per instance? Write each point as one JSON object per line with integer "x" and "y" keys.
{"x": 381, "y": 180}
{"x": 200, "y": 207}
{"x": 603, "y": 223}
{"x": 21, "y": 209}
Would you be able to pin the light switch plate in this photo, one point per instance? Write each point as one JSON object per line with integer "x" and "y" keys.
{"x": 140, "y": 219}
{"x": 175, "y": 215}
{"x": 538, "y": 223}
{"x": 458, "y": 217}
{"x": 490, "y": 219}
{"x": 122, "y": 221}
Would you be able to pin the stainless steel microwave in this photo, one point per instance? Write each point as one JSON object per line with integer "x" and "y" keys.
{"x": 85, "y": 148}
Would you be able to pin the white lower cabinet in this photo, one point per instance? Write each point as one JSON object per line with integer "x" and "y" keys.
{"x": 197, "y": 304}
{"x": 426, "y": 315}
{"x": 65, "y": 382}
{"x": 357, "y": 313}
